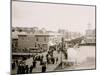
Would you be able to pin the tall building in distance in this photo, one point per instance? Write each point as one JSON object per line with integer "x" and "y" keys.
{"x": 90, "y": 35}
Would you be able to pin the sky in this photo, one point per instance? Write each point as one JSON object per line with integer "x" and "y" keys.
{"x": 53, "y": 16}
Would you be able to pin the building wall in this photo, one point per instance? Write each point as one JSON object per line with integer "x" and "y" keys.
{"x": 26, "y": 41}
{"x": 42, "y": 41}
{"x": 90, "y": 36}
{"x": 14, "y": 43}
{"x": 32, "y": 41}
{"x": 37, "y": 41}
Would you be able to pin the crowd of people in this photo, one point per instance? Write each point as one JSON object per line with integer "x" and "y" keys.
{"x": 43, "y": 59}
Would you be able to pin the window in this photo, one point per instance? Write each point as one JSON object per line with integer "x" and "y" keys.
{"x": 35, "y": 44}
{"x": 22, "y": 38}
{"x": 44, "y": 38}
{"x": 37, "y": 39}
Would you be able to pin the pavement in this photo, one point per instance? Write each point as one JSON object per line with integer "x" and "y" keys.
{"x": 49, "y": 67}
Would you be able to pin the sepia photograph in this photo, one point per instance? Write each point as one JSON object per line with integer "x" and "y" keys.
{"x": 52, "y": 37}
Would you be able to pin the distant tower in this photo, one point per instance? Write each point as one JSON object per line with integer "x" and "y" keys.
{"x": 88, "y": 31}
{"x": 89, "y": 26}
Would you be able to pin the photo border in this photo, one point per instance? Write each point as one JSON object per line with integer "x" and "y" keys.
{"x": 58, "y": 4}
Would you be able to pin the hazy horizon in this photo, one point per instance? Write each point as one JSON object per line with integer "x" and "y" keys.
{"x": 52, "y": 16}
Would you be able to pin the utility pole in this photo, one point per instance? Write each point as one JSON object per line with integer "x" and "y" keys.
{"x": 62, "y": 48}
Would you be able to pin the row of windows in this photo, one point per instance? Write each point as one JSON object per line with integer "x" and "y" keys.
{"x": 37, "y": 39}
{"x": 40, "y": 45}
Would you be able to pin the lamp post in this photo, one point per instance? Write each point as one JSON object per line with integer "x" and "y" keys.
{"x": 62, "y": 48}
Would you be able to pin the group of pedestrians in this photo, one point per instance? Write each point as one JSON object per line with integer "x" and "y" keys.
{"x": 22, "y": 69}
{"x": 51, "y": 58}
{"x": 43, "y": 59}
{"x": 42, "y": 62}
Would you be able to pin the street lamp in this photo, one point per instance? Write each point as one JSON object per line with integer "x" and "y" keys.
{"x": 62, "y": 48}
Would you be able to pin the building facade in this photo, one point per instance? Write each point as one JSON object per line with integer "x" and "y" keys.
{"x": 90, "y": 36}
{"x": 14, "y": 40}
{"x": 39, "y": 42}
